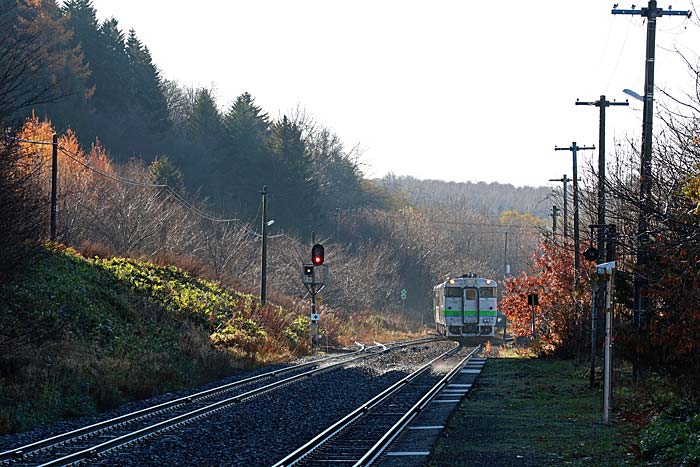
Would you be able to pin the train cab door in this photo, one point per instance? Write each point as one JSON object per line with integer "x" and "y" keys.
{"x": 471, "y": 306}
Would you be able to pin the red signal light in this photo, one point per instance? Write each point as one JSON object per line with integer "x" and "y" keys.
{"x": 317, "y": 254}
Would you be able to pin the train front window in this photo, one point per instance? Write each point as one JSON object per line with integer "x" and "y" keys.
{"x": 487, "y": 292}
{"x": 453, "y": 292}
{"x": 470, "y": 294}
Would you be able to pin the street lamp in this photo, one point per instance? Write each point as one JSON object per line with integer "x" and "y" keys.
{"x": 629, "y": 92}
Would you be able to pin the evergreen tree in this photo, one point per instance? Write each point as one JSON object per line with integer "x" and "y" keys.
{"x": 294, "y": 187}
{"x": 337, "y": 174}
{"x": 111, "y": 66}
{"x": 113, "y": 118}
{"x": 205, "y": 121}
{"x": 245, "y": 165}
{"x": 60, "y": 63}
{"x": 162, "y": 171}
{"x": 81, "y": 19}
{"x": 203, "y": 143}
{"x": 144, "y": 81}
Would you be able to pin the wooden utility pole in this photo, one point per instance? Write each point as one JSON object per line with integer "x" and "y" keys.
{"x": 263, "y": 261}
{"x": 505, "y": 257}
{"x": 640, "y": 281}
{"x": 54, "y": 186}
{"x": 602, "y": 104}
{"x": 554, "y": 215}
{"x": 574, "y": 148}
{"x": 565, "y": 180}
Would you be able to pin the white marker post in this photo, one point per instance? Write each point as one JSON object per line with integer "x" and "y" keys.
{"x": 606, "y": 273}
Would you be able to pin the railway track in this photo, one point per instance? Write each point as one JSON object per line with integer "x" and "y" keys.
{"x": 361, "y": 437}
{"x": 92, "y": 441}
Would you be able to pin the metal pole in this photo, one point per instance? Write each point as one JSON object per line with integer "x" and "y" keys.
{"x": 314, "y": 324}
{"x": 607, "y": 381}
{"x": 566, "y": 202}
{"x": 611, "y": 255}
{"x": 534, "y": 333}
{"x": 263, "y": 262}
{"x": 54, "y": 187}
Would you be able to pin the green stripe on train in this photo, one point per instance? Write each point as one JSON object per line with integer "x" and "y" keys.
{"x": 470, "y": 314}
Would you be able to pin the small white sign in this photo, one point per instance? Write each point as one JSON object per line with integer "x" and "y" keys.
{"x": 315, "y": 317}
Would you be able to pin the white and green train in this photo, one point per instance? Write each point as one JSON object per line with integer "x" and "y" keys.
{"x": 466, "y": 306}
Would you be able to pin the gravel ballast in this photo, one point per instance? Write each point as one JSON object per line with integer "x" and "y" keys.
{"x": 260, "y": 431}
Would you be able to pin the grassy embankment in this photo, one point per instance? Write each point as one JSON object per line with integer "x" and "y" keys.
{"x": 536, "y": 412}
{"x": 79, "y": 335}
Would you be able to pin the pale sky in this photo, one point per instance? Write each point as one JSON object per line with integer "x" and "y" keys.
{"x": 441, "y": 89}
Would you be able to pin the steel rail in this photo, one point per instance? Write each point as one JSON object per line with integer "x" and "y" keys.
{"x": 385, "y": 441}
{"x": 81, "y": 433}
{"x": 122, "y": 419}
{"x": 184, "y": 418}
{"x": 350, "y": 418}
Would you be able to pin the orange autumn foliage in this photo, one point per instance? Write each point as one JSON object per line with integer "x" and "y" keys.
{"x": 559, "y": 322}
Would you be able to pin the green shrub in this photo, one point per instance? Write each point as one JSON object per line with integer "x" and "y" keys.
{"x": 297, "y": 331}
{"x": 672, "y": 440}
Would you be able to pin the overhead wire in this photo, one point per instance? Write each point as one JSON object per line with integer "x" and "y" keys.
{"x": 619, "y": 56}
{"x": 21, "y": 140}
{"x": 114, "y": 177}
{"x": 187, "y": 204}
{"x": 178, "y": 197}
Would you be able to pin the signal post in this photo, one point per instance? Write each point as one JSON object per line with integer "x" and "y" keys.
{"x": 314, "y": 276}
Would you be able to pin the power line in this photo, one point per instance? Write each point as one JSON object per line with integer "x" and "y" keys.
{"x": 187, "y": 204}
{"x": 20, "y": 140}
{"x": 118, "y": 178}
{"x": 114, "y": 177}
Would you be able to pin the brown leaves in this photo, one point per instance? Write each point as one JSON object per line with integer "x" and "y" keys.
{"x": 558, "y": 322}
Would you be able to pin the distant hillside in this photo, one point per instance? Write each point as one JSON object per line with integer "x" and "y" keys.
{"x": 485, "y": 198}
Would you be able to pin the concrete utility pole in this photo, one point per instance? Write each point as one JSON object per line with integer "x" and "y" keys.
{"x": 640, "y": 281}
{"x": 602, "y": 103}
{"x": 574, "y": 148}
{"x": 263, "y": 261}
{"x": 565, "y": 180}
{"x": 54, "y": 186}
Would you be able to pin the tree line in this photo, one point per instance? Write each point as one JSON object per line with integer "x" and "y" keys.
{"x": 148, "y": 167}
{"x": 112, "y": 91}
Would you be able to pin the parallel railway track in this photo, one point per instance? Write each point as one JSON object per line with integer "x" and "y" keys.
{"x": 92, "y": 441}
{"x": 360, "y": 438}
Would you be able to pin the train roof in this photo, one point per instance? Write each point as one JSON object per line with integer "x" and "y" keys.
{"x": 468, "y": 280}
